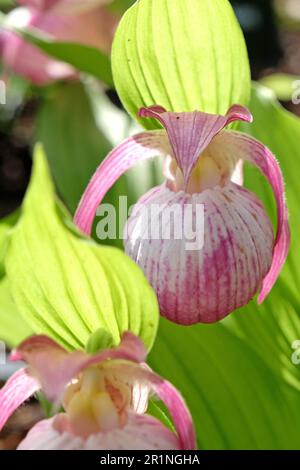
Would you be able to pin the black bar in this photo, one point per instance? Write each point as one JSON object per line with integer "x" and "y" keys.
{"x": 134, "y": 459}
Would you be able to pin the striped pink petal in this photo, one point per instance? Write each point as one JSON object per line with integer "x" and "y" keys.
{"x": 242, "y": 146}
{"x": 143, "y": 146}
{"x": 141, "y": 432}
{"x": 179, "y": 411}
{"x": 191, "y": 133}
{"x": 15, "y": 392}
{"x": 54, "y": 367}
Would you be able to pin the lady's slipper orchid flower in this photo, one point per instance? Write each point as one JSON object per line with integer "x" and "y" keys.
{"x": 92, "y": 27}
{"x": 239, "y": 256}
{"x": 104, "y": 396}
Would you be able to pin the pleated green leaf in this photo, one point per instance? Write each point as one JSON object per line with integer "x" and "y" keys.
{"x": 13, "y": 328}
{"x": 67, "y": 286}
{"x": 183, "y": 55}
{"x": 6, "y": 224}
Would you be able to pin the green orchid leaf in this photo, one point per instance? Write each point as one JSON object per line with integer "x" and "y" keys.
{"x": 238, "y": 376}
{"x": 86, "y": 59}
{"x": 167, "y": 52}
{"x": 13, "y": 328}
{"x": 67, "y": 286}
{"x": 236, "y": 401}
{"x": 5, "y": 226}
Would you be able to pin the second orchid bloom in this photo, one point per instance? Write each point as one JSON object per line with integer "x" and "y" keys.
{"x": 104, "y": 396}
{"x": 203, "y": 163}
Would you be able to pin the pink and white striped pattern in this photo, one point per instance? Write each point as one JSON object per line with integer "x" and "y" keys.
{"x": 204, "y": 285}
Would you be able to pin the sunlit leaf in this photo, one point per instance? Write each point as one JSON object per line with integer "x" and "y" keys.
{"x": 182, "y": 55}
{"x": 67, "y": 286}
{"x": 5, "y": 226}
{"x": 13, "y": 328}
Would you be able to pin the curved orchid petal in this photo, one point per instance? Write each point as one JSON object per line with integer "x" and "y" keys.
{"x": 139, "y": 433}
{"x": 54, "y": 367}
{"x": 181, "y": 416}
{"x": 191, "y": 133}
{"x": 133, "y": 150}
{"x": 15, "y": 392}
{"x": 242, "y": 146}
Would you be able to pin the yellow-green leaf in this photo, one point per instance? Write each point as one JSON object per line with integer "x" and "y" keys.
{"x": 183, "y": 55}
{"x": 67, "y": 286}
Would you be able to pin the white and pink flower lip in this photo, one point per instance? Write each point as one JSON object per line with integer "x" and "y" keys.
{"x": 240, "y": 255}
{"x": 64, "y": 20}
{"x": 105, "y": 398}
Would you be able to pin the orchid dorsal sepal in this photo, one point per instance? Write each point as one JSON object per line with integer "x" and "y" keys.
{"x": 198, "y": 131}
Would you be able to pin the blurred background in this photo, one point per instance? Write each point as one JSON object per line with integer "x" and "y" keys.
{"x": 33, "y": 112}
{"x": 272, "y": 31}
